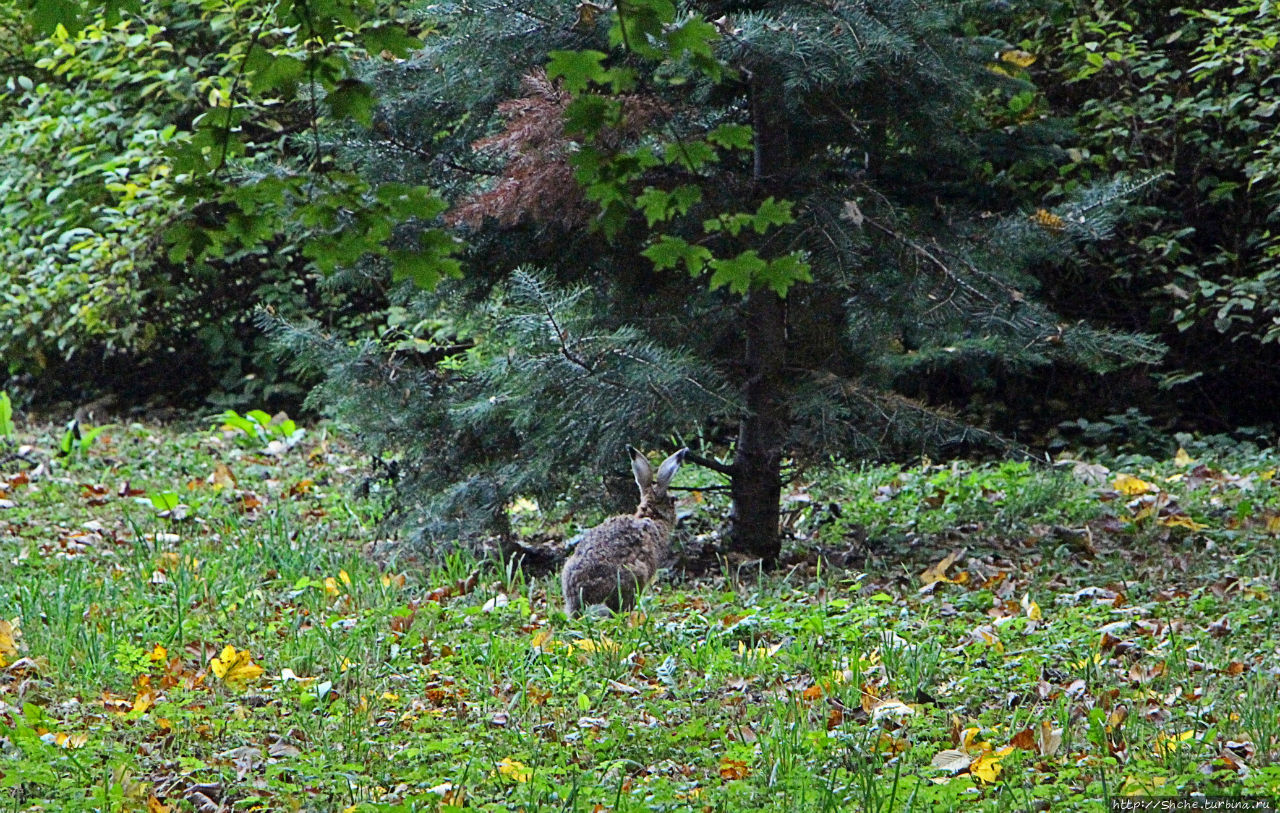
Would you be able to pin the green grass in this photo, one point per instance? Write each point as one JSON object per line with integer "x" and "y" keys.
{"x": 1079, "y": 649}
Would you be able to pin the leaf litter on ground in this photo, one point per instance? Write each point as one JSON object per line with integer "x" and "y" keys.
{"x": 1071, "y": 634}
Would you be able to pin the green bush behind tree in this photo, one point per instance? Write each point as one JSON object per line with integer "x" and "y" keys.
{"x": 1191, "y": 94}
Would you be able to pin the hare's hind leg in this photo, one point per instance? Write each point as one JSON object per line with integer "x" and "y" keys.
{"x": 622, "y": 597}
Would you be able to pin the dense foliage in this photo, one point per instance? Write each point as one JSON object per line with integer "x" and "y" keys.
{"x": 1191, "y": 94}
{"x": 757, "y": 235}
{"x": 784, "y": 230}
{"x": 161, "y": 174}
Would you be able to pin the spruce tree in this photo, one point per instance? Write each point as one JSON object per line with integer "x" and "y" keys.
{"x": 744, "y": 227}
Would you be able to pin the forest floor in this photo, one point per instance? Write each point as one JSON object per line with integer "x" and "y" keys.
{"x": 188, "y": 622}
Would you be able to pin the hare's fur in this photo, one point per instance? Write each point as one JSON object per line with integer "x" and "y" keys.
{"x": 618, "y": 558}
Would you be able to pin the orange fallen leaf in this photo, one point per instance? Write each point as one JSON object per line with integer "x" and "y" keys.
{"x": 1024, "y": 739}
{"x": 733, "y": 769}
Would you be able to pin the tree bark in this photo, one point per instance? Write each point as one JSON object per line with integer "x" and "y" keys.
{"x": 757, "y": 469}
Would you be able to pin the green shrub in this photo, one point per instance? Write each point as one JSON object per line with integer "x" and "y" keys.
{"x": 1190, "y": 92}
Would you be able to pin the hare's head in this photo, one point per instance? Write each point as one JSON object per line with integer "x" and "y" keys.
{"x": 655, "y": 501}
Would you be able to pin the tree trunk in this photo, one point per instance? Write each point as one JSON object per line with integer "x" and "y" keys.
{"x": 757, "y": 468}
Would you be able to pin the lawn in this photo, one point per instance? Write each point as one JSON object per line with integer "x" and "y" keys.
{"x": 189, "y": 623}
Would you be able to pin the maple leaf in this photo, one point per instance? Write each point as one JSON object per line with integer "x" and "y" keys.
{"x": 540, "y": 638}
{"x": 69, "y": 741}
{"x": 590, "y": 646}
{"x": 235, "y": 668}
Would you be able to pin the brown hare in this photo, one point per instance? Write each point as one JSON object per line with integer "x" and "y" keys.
{"x": 618, "y": 558}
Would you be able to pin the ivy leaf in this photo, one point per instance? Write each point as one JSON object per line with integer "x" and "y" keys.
{"x": 577, "y": 69}
{"x": 784, "y": 272}
{"x": 352, "y": 99}
{"x": 737, "y": 272}
{"x": 772, "y": 213}
{"x": 695, "y": 38}
{"x": 390, "y": 38}
{"x": 431, "y": 263}
{"x": 731, "y": 136}
{"x": 669, "y": 251}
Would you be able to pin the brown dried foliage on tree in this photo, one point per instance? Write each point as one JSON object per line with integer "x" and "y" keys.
{"x": 536, "y": 183}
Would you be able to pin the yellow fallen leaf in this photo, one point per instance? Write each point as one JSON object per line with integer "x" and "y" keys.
{"x": 759, "y": 651}
{"x": 235, "y": 668}
{"x": 1032, "y": 609}
{"x": 221, "y": 477}
{"x": 938, "y": 572}
{"x": 1182, "y": 521}
{"x": 1131, "y": 486}
{"x": 603, "y": 645}
{"x": 515, "y": 771}
{"x": 1168, "y": 743}
{"x": 158, "y": 654}
{"x": 541, "y": 637}
{"x": 9, "y": 635}
{"x": 1182, "y": 458}
{"x": 987, "y": 767}
{"x": 344, "y": 577}
{"x": 987, "y": 635}
{"x": 1017, "y": 57}
{"x": 145, "y": 700}
{"x": 331, "y": 586}
{"x": 71, "y": 740}
{"x": 287, "y": 675}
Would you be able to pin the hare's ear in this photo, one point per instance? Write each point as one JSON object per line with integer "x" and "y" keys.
{"x": 640, "y": 468}
{"x": 668, "y": 470}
